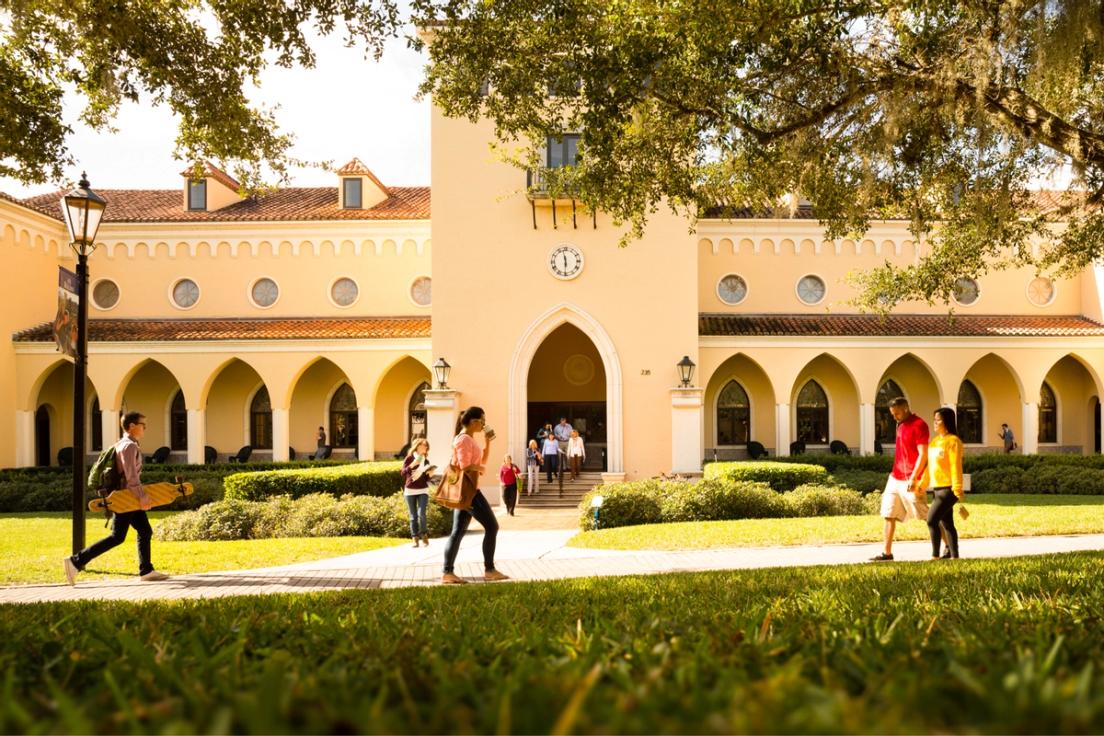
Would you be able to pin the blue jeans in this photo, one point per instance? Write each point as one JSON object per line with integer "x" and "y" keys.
{"x": 416, "y": 506}
{"x": 482, "y": 512}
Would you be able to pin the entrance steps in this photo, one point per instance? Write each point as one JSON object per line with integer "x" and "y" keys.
{"x": 573, "y": 492}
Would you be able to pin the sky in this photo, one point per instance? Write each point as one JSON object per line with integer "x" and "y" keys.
{"x": 346, "y": 106}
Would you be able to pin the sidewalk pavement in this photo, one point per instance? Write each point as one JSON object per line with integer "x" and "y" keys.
{"x": 523, "y": 555}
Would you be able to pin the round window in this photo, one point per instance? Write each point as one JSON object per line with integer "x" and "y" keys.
{"x": 185, "y": 293}
{"x": 264, "y": 293}
{"x": 966, "y": 291}
{"x": 732, "y": 289}
{"x": 811, "y": 289}
{"x": 105, "y": 294}
{"x": 344, "y": 292}
{"x": 421, "y": 291}
{"x": 1041, "y": 291}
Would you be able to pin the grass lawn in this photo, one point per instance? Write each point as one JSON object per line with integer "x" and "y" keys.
{"x": 32, "y": 545}
{"x": 975, "y": 646}
{"x": 990, "y": 516}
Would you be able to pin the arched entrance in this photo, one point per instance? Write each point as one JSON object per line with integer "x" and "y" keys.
{"x": 567, "y": 380}
{"x": 42, "y": 436}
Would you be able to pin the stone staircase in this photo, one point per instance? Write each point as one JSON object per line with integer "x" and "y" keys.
{"x": 573, "y": 491}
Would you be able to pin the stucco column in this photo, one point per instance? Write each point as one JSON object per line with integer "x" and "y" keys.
{"x": 1100, "y": 429}
{"x": 687, "y": 417}
{"x": 441, "y": 406}
{"x": 109, "y": 424}
{"x": 866, "y": 429}
{"x": 24, "y": 439}
{"x": 781, "y": 429}
{"x": 281, "y": 435}
{"x": 197, "y": 435}
{"x": 1029, "y": 443}
{"x": 366, "y": 433}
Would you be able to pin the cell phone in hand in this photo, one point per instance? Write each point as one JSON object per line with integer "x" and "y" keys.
{"x": 963, "y": 512}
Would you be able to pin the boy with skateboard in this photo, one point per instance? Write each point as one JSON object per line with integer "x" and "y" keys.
{"x": 128, "y": 464}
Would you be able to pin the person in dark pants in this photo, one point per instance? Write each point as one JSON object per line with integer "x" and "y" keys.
{"x": 128, "y": 463}
{"x": 551, "y": 451}
{"x": 945, "y": 470}
{"x": 508, "y": 476}
{"x": 472, "y": 461}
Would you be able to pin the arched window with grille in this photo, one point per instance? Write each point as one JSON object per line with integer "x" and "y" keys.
{"x": 343, "y": 417}
{"x": 969, "y": 413}
{"x": 416, "y": 426}
{"x": 260, "y": 420}
{"x": 812, "y": 414}
{"x": 886, "y": 425}
{"x": 178, "y": 423}
{"x": 733, "y": 415}
{"x": 96, "y": 425}
{"x": 1048, "y": 414}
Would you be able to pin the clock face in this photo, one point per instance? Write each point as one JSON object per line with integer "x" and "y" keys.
{"x": 565, "y": 262}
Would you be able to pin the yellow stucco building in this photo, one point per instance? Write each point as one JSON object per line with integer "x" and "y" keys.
{"x": 255, "y": 322}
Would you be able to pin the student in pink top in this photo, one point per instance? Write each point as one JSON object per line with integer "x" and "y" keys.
{"x": 472, "y": 460}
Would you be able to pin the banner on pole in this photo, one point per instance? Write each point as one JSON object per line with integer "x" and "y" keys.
{"x": 65, "y": 322}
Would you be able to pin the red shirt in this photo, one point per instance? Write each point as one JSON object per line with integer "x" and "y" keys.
{"x": 910, "y": 433}
{"x": 508, "y": 474}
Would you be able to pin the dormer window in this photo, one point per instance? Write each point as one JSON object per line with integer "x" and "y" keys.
{"x": 351, "y": 193}
{"x": 197, "y": 194}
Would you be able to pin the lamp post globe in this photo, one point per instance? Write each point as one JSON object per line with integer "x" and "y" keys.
{"x": 441, "y": 368}
{"x": 686, "y": 370}
{"x": 82, "y": 210}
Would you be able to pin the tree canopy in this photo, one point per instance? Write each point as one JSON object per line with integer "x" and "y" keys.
{"x": 946, "y": 113}
{"x": 196, "y": 56}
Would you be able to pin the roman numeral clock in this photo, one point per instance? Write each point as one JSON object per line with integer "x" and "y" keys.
{"x": 565, "y": 262}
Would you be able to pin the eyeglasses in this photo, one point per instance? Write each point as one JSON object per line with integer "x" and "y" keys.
{"x": 141, "y": 424}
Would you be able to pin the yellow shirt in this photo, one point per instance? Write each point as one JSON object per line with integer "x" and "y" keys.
{"x": 944, "y": 464}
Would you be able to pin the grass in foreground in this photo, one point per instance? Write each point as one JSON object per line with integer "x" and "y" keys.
{"x": 990, "y": 516}
{"x": 1009, "y": 645}
{"x": 32, "y": 545}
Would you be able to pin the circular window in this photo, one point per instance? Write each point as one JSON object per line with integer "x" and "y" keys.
{"x": 578, "y": 370}
{"x": 185, "y": 293}
{"x": 344, "y": 292}
{"x": 966, "y": 291}
{"x": 264, "y": 293}
{"x": 1040, "y": 291}
{"x": 811, "y": 289}
{"x": 421, "y": 291}
{"x": 105, "y": 294}
{"x": 732, "y": 289}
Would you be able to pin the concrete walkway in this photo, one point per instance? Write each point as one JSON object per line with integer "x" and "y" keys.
{"x": 523, "y": 555}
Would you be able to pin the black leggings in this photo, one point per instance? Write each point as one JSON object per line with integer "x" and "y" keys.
{"x": 483, "y": 513}
{"x": 942, "y": 512}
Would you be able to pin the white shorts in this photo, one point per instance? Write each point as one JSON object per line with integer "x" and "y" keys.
{"x": 900, "y": 503}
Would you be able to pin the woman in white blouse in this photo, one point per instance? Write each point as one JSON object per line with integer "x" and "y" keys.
{"x": 576, "y": 453}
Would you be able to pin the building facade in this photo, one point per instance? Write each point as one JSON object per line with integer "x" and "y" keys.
{"x": 256, "y": 322}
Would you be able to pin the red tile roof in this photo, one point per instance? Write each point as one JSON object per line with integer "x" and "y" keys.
{"x": 296, "y": 203}
{"x": 209, "y": 169}
{"x": 896, "y": 325}
{"x": 306, "y": 328}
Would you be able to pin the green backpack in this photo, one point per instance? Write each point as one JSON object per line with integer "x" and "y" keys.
{"x": 104, "y": 476}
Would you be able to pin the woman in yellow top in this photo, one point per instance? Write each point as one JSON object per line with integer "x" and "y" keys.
{"x": 945, "y": 473}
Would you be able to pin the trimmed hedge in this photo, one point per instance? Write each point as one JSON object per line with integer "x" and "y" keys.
{"x": 779, "y": 476}
{"x": 863, "y": 481}
{"x": 312, "y": 515}
{"x": 716, "y": 500}
{"x": 361, "y": 479}
{"x": 971, "y": 463}
{"x": 627, "y": 504}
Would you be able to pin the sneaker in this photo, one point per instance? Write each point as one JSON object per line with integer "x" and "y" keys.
{"x": 70, "y": 570}
{"x": 882, "y": 558}
{"x": 154, "y": 576}
{"x": 450, "y": 579}
{"x": 494, "y": 575}
{"x": 946, "y": 555}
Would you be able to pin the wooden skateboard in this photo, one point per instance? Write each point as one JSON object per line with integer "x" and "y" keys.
{"x": 123, "y": 501}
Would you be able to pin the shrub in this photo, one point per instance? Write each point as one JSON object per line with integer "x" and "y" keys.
{"x": 362, "y": 479}
{"x": 996, "y": 479}
{"x": 1065, "y": 479}
{"x": 715, "y": 500}
{"x": 626, "y": 504}
{"x": 872, "y": 503}
{"x": 779, "y": 476}
{"x": 863, "y": 481}
{"x": 880, "y": 463}
{"x": 823, "y": 500}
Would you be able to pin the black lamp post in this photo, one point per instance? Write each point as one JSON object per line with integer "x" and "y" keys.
{"x": 82, "y": 209}
{"x": 686, "y": 370}
{"x": 442, "y": 368}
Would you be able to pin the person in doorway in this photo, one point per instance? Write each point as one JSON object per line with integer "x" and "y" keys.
{"x": 904, "y": 497}
{"x": 544, "y": 432}
{"x": 551, "y": 451}
{"x": 473, "y": 462}
{"x": 944, "y": 470}
{"x": 128, "y": 464}
{"x": 563, "y": 432}
{"x": 1008, "y": 438}
{"x": 508, "y": 476}
{"x": 576, "y": 453}
{"x": 416, "y": 471}
{"x": 533, "y": 460}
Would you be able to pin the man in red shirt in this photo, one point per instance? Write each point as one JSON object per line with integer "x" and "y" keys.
{"x": 903, "y": 498}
